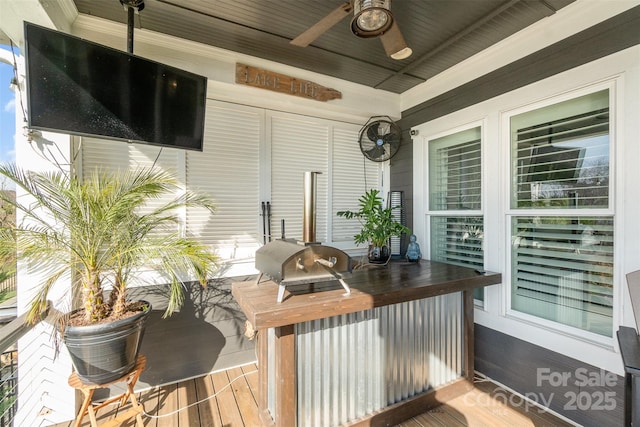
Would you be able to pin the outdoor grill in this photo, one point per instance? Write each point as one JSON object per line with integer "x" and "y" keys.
{"x": 292, "y": 262}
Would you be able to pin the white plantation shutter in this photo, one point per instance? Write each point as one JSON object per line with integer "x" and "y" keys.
{"x": 252, "y": 155}
{"x": 455, "y": 190}
{"x": 458, "y": 240}
{"x": 353, "y": 175}
{"x": 119, "y": 155}
{"x": 455, "y": 200}
{"x": 562, "y": 160}
{"x": 563, "y": 270}
{"x": 298, "y": 144}
{"x": 228, "y": 169}
{"x": 455, "y": 172}
{"x": 562, "y": 262}
{"x": 100, "y": 154}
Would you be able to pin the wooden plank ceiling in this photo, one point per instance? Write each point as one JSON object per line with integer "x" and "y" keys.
{"x": 441, "y": 33}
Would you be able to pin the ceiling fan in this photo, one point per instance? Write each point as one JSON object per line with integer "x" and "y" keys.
{"x": 371, "y": 18}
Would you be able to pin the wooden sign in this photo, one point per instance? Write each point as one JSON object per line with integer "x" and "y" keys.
{"x": 256, "y": 77}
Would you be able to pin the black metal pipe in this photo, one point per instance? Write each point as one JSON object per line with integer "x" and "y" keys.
{"x": 130, "y": 15}
{"x": 269, "y": 220}
{"x": 264, "y": 223}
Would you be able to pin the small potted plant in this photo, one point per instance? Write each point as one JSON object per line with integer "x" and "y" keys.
{"x": 378, "y": 226}
{"x": 98, "y": 231}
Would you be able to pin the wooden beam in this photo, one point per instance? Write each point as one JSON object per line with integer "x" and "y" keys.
{"x": 286, "y": 390}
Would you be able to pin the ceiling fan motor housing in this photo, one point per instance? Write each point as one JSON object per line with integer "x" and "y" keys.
{"x": 371, "y": 18}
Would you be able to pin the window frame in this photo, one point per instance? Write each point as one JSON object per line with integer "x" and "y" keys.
{"x": 609, "y": 211}
{"x": 429, "y": 213}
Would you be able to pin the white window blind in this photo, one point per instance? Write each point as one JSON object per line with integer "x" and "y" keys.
{"x": 562, "y": 263}
{"x": 458, "y": 240}
{"x": 455, "y": 171}
{"x": 562, "y": 268}
{"x": 455, "y": 200}
{"x": 562, "y": 160}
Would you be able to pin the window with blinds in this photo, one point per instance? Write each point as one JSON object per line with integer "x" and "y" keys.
{"x": 562, "y": 161}
{"x": 562, "y": 270}
{"x": 562, "y": 250}
{"x": 455, "y": 171}
{"x": 455, "y": 202}
{"x": 457, "y": 240}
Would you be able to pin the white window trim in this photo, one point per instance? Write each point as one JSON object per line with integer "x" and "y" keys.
{"x": 623, "y": 67}
{"x": 509, "y": 212}
{"x": 422, "y": 228}
{"x": 421, "y": 183}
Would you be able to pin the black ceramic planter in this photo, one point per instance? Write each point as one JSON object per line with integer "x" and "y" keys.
{"x": 379, "y": 255}
{"x": 105, "y": 352}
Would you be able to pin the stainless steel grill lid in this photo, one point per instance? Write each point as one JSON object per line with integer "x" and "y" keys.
{"x": 288, "y": 262}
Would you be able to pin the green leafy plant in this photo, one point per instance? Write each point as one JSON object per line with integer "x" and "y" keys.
{"x": 378, "y": 223}
{"x": 104, "y": 229}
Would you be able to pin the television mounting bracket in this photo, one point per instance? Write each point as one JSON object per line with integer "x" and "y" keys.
{"x": 132, "y": 6}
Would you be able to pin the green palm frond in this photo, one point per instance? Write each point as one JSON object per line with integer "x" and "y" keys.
{"x": 107, "y": 227}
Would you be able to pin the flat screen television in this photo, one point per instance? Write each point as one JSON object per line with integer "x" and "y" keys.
{"x": 551, "y": 163}
{"x": 83, "y": 88}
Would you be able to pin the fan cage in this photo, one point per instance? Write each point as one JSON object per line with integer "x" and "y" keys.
{"x": 371, "y": 148}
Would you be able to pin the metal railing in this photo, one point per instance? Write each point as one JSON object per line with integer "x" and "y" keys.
{"x": 8, "y": 387}
{"x": 9, "y": 284}
{"x": 9, "y": 336}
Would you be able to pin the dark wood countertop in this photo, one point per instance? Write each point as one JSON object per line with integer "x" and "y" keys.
{"x": 370, "y": 287}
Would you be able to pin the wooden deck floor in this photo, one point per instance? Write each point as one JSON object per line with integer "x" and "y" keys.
{"x": 234, "y": 405}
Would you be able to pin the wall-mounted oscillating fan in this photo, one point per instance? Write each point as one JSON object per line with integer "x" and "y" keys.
{"x": 380, "y": 138}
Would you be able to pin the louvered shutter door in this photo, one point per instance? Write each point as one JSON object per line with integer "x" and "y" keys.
{"x": 118, "y": 155}
{"x": 353, "y": 174}
{"x": 298, "y": 144}
{"x": 228, "y": 170}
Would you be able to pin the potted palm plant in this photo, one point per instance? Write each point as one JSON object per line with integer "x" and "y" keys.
{"x": 378, "y": 226}
{"x": 98, "y": 233}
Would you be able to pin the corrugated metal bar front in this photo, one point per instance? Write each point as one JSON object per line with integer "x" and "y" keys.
{"x": 351, "y": 365}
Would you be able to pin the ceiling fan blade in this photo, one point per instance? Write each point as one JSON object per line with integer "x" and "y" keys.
{"x": 394, "y": 44}
{"x": 323, "y": 25}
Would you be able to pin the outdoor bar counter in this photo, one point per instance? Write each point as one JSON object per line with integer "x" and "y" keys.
{"x": 399, "y": 343}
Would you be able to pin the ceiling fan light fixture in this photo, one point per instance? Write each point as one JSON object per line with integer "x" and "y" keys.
{"x": 371, "y": 18}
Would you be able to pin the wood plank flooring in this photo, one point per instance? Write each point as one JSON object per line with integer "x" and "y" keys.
{"x": 234, "y": 405}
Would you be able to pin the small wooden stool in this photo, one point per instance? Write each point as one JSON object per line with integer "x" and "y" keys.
{"x": 88, "y": 389}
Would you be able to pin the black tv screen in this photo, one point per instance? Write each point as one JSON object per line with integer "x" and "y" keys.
{"x": 551, "y": 163}
{"x": 79, "y": 87}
